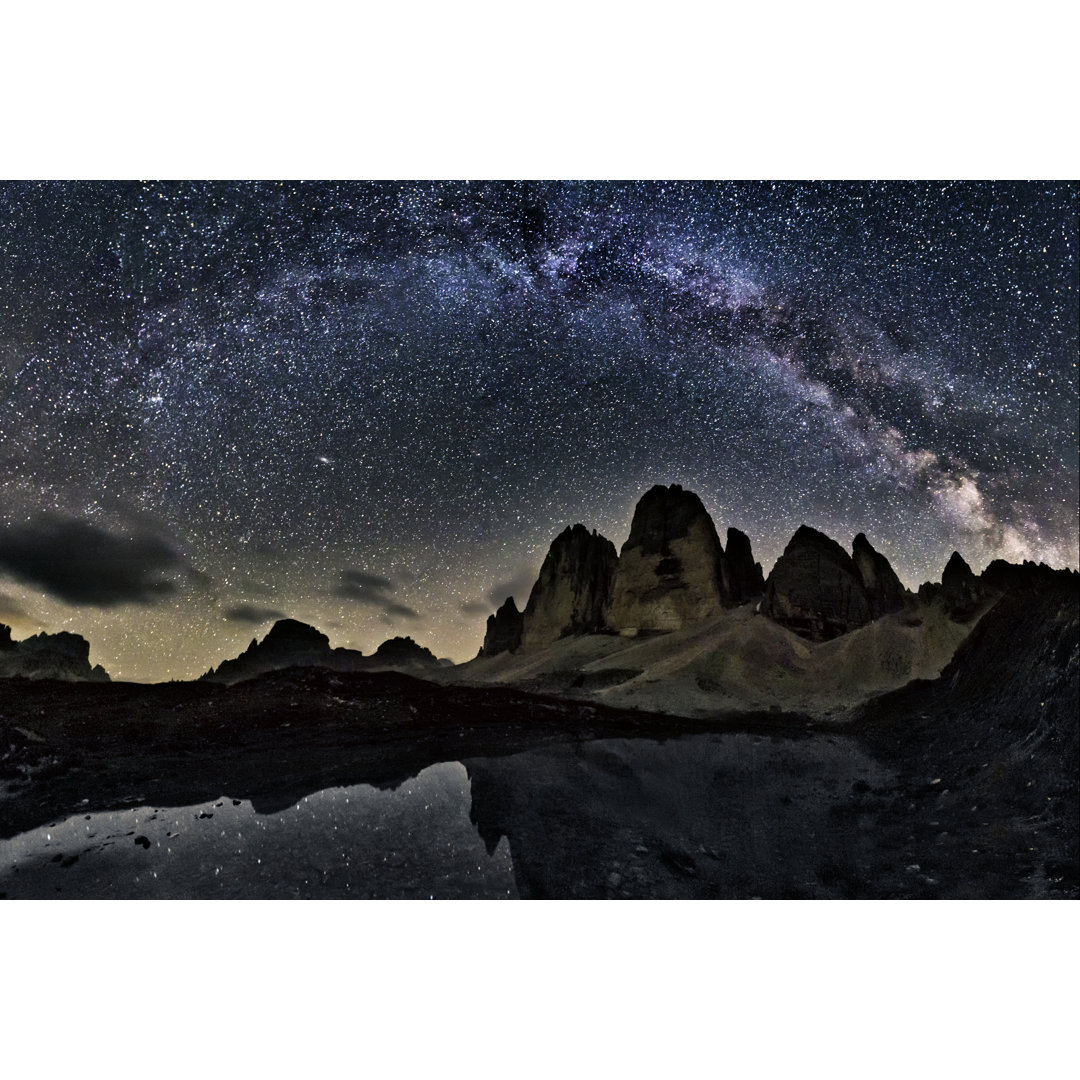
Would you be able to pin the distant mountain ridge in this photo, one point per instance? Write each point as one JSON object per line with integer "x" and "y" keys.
{"x": 48, "y": 656}
{"x": 291, "y": 643}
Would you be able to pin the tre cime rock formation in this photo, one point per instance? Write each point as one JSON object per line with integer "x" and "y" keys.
{"x": 573, "y": 591}
{"x": 819, "y": 591}
{"x": 504, "y": 630}
{"x": 740, "y": 576}
{"x": 672, "y": 572}
{"x": 669, "y": 570}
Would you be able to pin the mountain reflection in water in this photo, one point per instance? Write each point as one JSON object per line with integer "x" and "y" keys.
{"x": 412, "y": 842}
{"x": 732, "y": 815}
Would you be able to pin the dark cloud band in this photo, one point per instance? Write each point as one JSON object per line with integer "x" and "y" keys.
{"x": 85, "y": 564}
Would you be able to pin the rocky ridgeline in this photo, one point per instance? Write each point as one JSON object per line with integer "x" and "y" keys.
{"x": 291, "y": 643}
{"x": 674, "y": 572}
{"x": 48, "y": 656}
{"x": 963, "y": 593}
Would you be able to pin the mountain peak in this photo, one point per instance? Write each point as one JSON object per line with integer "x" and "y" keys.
{"x": 573, "y": 590}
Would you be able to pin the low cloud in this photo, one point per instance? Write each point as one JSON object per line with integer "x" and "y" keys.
{"x": 401, "y": 611}
{"x": 519, "y": 587}
{"x": 375, "y": 591}
{"x": 363, "y": 587}
{"x": 253, "y": 616}
{"x": 87, "y": 565}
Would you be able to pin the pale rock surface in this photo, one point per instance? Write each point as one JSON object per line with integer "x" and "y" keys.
{"x": 669, "y": 574}
{"x": 573, "y": 591}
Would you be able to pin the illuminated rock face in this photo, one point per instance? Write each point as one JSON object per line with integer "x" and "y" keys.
{"x": 573, "y": 591}
{"x": 670, "y": 569}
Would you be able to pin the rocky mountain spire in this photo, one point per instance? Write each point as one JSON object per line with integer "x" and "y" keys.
{"x": 960, "y": 589}
{"x": 573, "y": 591}
{"x": 669, "y": 571}
{"x": 815, "y": 588}
{"x": 741, "y": 578}
{"x": 504, "y": 630}
{"x": 883, "y": 587}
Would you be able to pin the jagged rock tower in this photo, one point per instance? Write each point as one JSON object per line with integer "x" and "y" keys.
{"x": 504, "y": 630}
{"x": 668, "y": 572}
{"x": 573, "y": 591}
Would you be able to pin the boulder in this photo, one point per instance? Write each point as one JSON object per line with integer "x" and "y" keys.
{"x": 815, "y": 589}
{"x": 669, "y": 570}
{"x": 573, "y": 591}
{"x": 504, "y": 630}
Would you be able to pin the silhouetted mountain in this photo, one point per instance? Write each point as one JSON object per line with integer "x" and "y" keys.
{"x": 402, "y": 651}
{"x": 48, "y": 656}
{"x": 1026, "y": 577}
{"x": 504, "y": 630}
{"x": 290, "y": 643}
{"x": 961, "y": 590}
{"x": 573, "y": 591}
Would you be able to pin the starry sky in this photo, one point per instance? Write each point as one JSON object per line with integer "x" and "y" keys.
{"x": 371, "y": 406}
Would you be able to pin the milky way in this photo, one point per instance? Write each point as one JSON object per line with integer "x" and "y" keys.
{"x": 372, "y": 406}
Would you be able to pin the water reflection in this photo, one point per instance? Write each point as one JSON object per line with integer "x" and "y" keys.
{"x": 731, "y": 815}
{"x": 724, "y": 816}
{"x": 415, "y": 841}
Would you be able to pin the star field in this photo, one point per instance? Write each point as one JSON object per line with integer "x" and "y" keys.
{"x": 371, "y": 406}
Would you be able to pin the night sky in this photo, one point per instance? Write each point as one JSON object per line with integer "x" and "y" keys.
{"x": 372, "y": 406}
